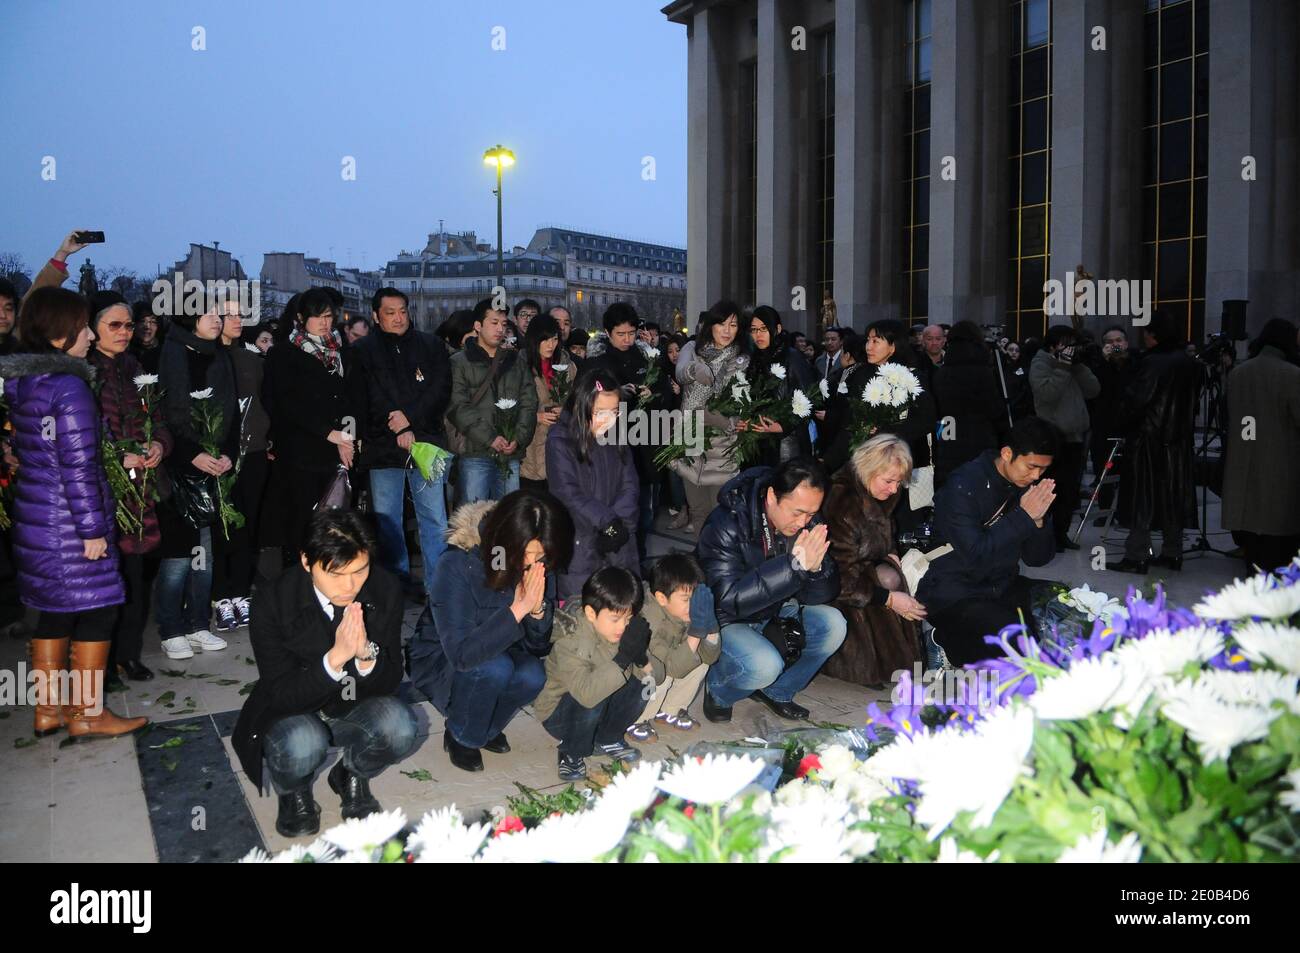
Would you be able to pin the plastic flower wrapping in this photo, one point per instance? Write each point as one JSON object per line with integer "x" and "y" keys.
{"x": 1164, "y": 735}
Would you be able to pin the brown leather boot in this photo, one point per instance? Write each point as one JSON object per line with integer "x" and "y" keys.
{"x": 88, "y": 661}
{"x": 50, "y": 657}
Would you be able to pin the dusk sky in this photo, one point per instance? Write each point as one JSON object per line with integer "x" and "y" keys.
{"x": 159, "y": 145}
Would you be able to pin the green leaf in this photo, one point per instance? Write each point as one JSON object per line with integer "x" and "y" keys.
{"x": 186, "y": 711}
{"x": 169, "y": 743}
{"x": 248, "y": 688}
{"x": 226, "y": 681}
{"x": 249, "y": 661}
{"x": 169, "y": 763}
{"x": 183, "y": 727}
{"x": 190, "y": 702}
{"x": 173, "y": 672}
{"x": 166, "y": 698}
{"x": 419, "y": 774}
{"x": 24, "y": 742}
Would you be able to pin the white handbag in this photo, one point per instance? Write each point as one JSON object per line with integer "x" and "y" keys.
{"x": 920, "y": 488}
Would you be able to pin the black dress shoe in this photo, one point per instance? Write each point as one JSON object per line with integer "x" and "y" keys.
{"x": 713, "y": 711}
{"x": 137, "y": 671}
{"x": 353, "y": 791}
{"x": 782, "y": 709}
{"x": 467, "y": 759}
{"x": 1138, "y": 566}
{"x": 498, "y": 745}
{"x": 299, "y": 815}
{"x": 1172, "y": 562}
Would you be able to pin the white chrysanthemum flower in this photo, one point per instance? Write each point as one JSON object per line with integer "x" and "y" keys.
{"x": 1291, "y": 798}
{"x": 837, "y": 761}
{"x": 652, "y": 352}
{"x": 1095, "y": 605}
{"x": 505, "y": 403}
{"x": 443, "y": 837}
{"x": 1134, "y": 689}
{"x": 739, "y": 392}
{"x": 800, "y": 405}
{"x": 360, "y": 856}
{"x": 321, "y": 851}
{"x": 1259, "y": 595}
{"x": 1276, "y": 644}
{"x": 1081, "y": 690}
{"x": 825, "y": 387}
{"x": 1096, "y": 849}
{"x": 815, "y": 829}
{"x": 562, "y": 368}
{"x": 1163, "y": 652}
{"x": 201, "y": 394}
{"x": 950, "y": 853}
{"x": 961, "y": 771}
{"x": 1261, "y": 688}
{"x": 843, "y": 388}
{"x": 778, "y": 371}
{"x": 877, "y": 393}
{"x": 710, "y": 780}
{"x": 1215, "y": 725}
{"x": 255, "y": 856}
{"x": 364, "y": 833}
{"x": 142, "y": 381}
{"x": 740, "y": 378}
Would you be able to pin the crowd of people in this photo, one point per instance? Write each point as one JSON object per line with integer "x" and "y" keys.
{"x": 157, "y": 462}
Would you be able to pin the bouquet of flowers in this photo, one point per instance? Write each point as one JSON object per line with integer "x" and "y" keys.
{"x": 430, "y": 459}
{"x": 504, "y": 422}
{"x": 560, "y": 384}
{"x": 652, "y": 373}
{"x": 147, "y": 387}
{"x": 886, "y": 400}
{"x": 207, "y": 421}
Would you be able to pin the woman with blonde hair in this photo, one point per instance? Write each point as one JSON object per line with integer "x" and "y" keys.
{"x": 882, "y": 615}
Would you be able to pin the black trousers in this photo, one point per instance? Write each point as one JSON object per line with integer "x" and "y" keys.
{"x": 960, "y": 629}
{"x": 235, "y": 561}
{"x": 139, "y": 570}
{"x": 580, "y": 729}
{"x": 90, "y": 625}
{"x": 1067, "y": 471}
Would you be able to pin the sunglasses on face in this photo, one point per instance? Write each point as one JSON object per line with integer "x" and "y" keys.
{"x": 120, "y": 325}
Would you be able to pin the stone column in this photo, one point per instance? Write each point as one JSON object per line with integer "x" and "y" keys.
{"x": 778, "y": 122}
{"x": 707, "y": 170}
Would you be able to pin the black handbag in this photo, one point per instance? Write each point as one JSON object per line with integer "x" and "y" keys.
{"x": 194, "y": 497}
{"x": 787, "y": 636}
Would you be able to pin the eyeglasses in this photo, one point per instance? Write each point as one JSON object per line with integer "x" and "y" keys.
{"x": 120, "y": 325}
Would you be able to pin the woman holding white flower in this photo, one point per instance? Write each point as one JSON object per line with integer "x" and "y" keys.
{"x": 882, "y": 615}
{"x": 772, "y": 355}
{"x": 132, "y": 414}
{"x": 707, "y": 366}
{"x": 553, "y": 375}
{"x": 195, "y": 374}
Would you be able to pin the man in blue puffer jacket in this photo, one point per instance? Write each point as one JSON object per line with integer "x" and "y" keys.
{"x": 765, "y": 556}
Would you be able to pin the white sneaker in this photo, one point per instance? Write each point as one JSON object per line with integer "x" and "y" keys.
{"x": 205, "y": 640}
{"x": 178, "y": 648}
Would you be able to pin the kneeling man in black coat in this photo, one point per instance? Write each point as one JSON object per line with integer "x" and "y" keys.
{"x": 327, "y": 638}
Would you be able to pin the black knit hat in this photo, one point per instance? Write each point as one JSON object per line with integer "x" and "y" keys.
{"x": 100, "y": 302}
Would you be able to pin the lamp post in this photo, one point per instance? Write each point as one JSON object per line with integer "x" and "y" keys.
{"x": 500, "y": 157}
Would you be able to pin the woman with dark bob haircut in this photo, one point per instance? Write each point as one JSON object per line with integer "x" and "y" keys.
{"x": 64, "y": 533}
{"x": 478, "y": 646}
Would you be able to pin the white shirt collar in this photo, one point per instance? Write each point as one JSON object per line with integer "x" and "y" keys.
{"x": 324, "y": 602}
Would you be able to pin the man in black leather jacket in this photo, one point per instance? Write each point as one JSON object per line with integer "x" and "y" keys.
{"x": 765, "y": 556}
{"x": 404, "y": 384}
{"x": 994, "y": 511}
{"x": 1161, "y": 404}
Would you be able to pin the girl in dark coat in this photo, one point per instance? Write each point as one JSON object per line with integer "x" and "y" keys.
{"x": 313, "y": 420}
{"x": 120, "y": 380}
{"x": 64, "y": 534}
{"x": 596, "y": 480}
{"x": 770, "y": 349}
{"x": 193, "y": 361}
{"x": 882, "y": 616}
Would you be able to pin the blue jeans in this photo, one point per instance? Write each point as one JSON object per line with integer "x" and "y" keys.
{"x": 485, "y": 698}
{"x": 749, "y": 662}
{"x": 387, "y": 496}
{"x": 184, "y": 601}
{"x": 375, "y": 733}
{"x": 480, "y": 479}
{"x": 580, "y": 729}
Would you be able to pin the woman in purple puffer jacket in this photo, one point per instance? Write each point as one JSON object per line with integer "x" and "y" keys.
{"x": 594, "y": 476}
{"x": 64, "y": 526}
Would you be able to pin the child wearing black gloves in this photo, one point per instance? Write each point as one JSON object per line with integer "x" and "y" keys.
{"x": 599, "y": 674}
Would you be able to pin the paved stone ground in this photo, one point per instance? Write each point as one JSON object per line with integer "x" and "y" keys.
{"x": 134, "y": 800}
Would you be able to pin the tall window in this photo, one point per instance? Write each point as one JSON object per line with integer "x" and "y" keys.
{"x": 1030, "y": 165}
{"x": 749, "y": 180}
{"x": 824, "y": 218}
{"x": 1176, "y": 158}
{"x": 916, "y": 170}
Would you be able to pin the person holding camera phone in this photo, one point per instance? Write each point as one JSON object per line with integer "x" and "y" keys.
{"x": 327, "y": 639}
{"x": 1062, "y": 385}
{"x": 766, "y": 556}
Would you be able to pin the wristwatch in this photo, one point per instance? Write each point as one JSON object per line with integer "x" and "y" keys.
{"x": 372, "y": 652}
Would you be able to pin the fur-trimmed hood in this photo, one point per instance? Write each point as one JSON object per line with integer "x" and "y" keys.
{"x": 464, "y": 527}
{"x": 15, "y": 366}
{"x": 599, "y": 344}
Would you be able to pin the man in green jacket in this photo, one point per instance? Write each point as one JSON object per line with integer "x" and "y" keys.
{"x": 493, "y": 408}
{"x": 599, "y": 673}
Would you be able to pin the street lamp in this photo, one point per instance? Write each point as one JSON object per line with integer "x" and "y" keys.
{"x": 501, "y": 157}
